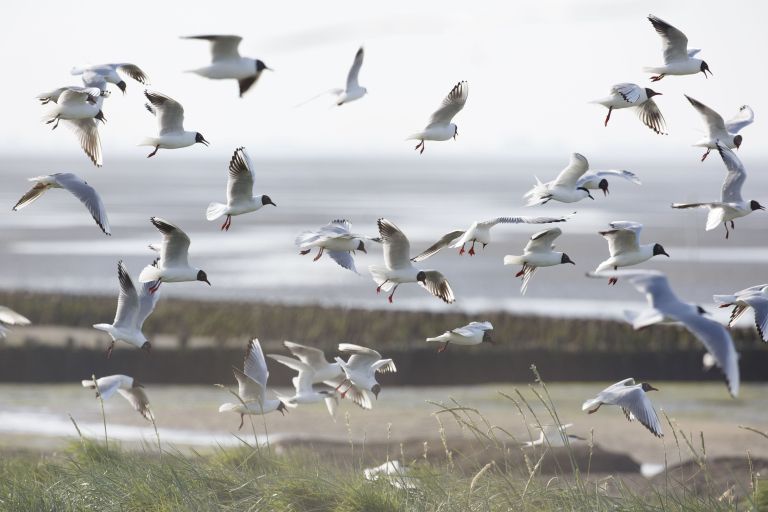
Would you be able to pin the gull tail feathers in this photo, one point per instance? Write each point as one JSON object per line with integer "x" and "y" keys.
{"x": 714, "y": 218}
{"x": 88, "y": 384}
{"x": 229, "y": 407}
{"x": 379, "y": 275}
{"x": 511, "y": 259}
{"x": 108, "y": 328}
{"x": 215, "y": 210}
{"x": 590, "y": 405}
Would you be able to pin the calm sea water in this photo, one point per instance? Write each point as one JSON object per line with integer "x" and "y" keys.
{"x": 54, "y": 245}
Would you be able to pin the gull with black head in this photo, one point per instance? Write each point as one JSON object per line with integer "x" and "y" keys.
{"x": 170, "y": 118}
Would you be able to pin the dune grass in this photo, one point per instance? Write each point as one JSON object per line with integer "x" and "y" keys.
{"x": 89, "y": 475}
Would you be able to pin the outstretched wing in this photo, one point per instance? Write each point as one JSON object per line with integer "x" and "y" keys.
{"x": 577, "y": 166}
{"x": 240, "y": 181}
{"x": 542, "y": 241}
{"x": 354, "y": 71}
{"x": 433, "y": 249}
{"x": 396, "y": 246}
{"x": 674, "y": 42}
{"x": 87, "y": 195}
{"x": 223, "y": 47}
{"x": 451, "y": 105}
{"x": 175, "y": 248}
{"x": 436, "y": 284}
{"x": 651, "y": 117}
{"x": 745, "y": 116}
{"x": 734, "y": 180}
{"x": 713, "y": 120}
{"x": 170, "y": 113}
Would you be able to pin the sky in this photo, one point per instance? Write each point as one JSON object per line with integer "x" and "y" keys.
{"x": 532, "y": 67}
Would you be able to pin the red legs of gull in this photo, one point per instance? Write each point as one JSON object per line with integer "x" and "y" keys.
{"x": 305, "y": 252}
{"x": 154, "y": 288}
{"x": 443, "y": 347}
{"x": 110, "y": 348}
{"x": 461, "y": 251}
{"x": 472, "y": 249}
{"x": 393, "y": 293}
{"x": 378, "y": 289}
{"x": 242, "y": 421}
{"x": 344, "y": 393}
{"x": 657, "y": 77}
{"x": 420, "y": 145}
{"x": 608, "y": 117}
{"x": 319, "y": 253}
{"x": 705, "y": 155}
{"x": 613, "y": 280}
{"x": 153, "y": 153}
{"x": 227, "y": 223}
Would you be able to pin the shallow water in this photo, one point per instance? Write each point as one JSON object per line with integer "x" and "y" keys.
{"x": 54, "y": 245}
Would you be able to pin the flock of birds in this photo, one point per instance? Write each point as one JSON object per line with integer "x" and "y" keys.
{"x": 321, "y": 380}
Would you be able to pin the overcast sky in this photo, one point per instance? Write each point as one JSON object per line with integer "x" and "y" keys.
{"x": 532, "y": 68}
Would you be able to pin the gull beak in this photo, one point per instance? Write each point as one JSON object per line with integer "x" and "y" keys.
{"x": 665, "y": 254}
{"x": 651, "y": 388}
{"x": 203, "y": 141}
{"x": 366, "y": 252}
{"x": 761, "y": 208}
{"x": 209, "y": 283}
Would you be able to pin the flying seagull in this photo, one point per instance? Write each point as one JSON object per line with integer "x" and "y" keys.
{"x": 133, "y": 309}
{"x": 252, "y": 386}
{"x": 564, "y": 188}
{"x": 75, "y": 186}
{"x": 361, "y": 368}
{"x": 170, "y": 118}
{"x": 538, "y": 253}
{"x": 720, "y": 131}
{"x": 173, "y": 265}
{"x": 398, "y": 268}
{"x": 731, "y": 205}
{"x": 678, "y": 58}
{"x": 473, "y": 333}
{"x": 632, "y": 399}
{"x": 440, "y": 126}
{"x": 665, "y": 306}
{"x": 80, "y": 109}
{"x": 755, "y": 297}
{"x": 480, "y": 232}
{"x": 593, "y": 180}
{"x": 628, "y": 95}
{"x": 337, "y": 239}
{"x": 240, "y": 198}
{"x": 111, "y": 73}
{"x": 128, "y": 388}
{"x": 227, "y": 64}
{"x": 624, "y": 246}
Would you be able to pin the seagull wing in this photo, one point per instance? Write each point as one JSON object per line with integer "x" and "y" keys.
{"x": 223, "y": 47}
{"x": 451, "y": 105}
{"x": 87, "y": 195}
{"x": 133, "y": 71}
{"x": 147, "y": 302}
{"x": 138, "y": 399}
{"x": 735, "y": 178}
{"x": 175, "y": 248}
{"x": 10, "y": 317}
{"x": 252, "y": 380}
{"x": 718, "y": 342}
{"x": 523, "y": 220}
{"x": 444, "y": 242}
{"x": 760, "y": 305}
{"x": 105, "y": 386}
{"x": 354, "y": 71}
{"x": 745, "y": 116}
{"x": 397, "y": 249}
{"x": 304, "y": 381}
{"x": 595, "y": 177}
{"x": 309, "y": 355}
{"x": 87, "y": 133}
{"x": 344, "y": 259}
{"x": 635, "y": 401}
{"x": 674, "y": 42}
{"x": 240, "y": 182}
{"x": 651, "y": 117}
{"x": 713, "y": 120}
{"x": 361, "y": 358}
{"x": 623, "y": 238}
{"x": 571, "y": 174}
{"x": 170, "y": 113}
{"x": 436, "y": 284}
{"x": 631, "y": 93}
{"x": 542, "y": 241}
{"x": 32, "y": 194}
{"x": 127, "y": 301}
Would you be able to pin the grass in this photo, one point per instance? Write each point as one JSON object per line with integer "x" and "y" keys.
{"x": 88, "y": 475}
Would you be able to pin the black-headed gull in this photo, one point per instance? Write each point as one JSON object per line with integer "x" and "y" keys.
{"x": 361, "y": 368}
{"x": 720, "y": 131}
{"x": 252, "y": 386}
{"x": 664, "y": 306}
{"x": 170, "y": 119}
{"x": 552, "y": 436}
{"x": 624, "y": 246}
{"x": 133, "y": 309}
{"x": 80, "y": 108}
{"x": 337, "y": 239}
{"x": 678, "y": 58}
{"x": 480, "y": 232}
{"x": 128, "y": 388}
{"x": 473, "y": 333}
{"x": 10, "y": 317}
{"x": 628, "y": 95}
{"x": 594, "y": 180}
{"x": 755, "y": 297}
{"x": 75, "y": 186}
{"x": 304, "y": 390}
{"x": 227, "y": 64}
{"x": 564, "y": 188}
{"x": 240, "y": 198}
{"x": 538, "y": 253}
{"x": 633, "y": 401}
{"x": 731, "y": 205}
{"x": 111, "y": 73}
{"x": 398, "y": 268}
{"x": 173, "y": 265}
{"x": 440, "y": 126}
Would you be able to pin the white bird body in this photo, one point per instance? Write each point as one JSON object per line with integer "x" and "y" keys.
{"x": 399, "y": 269}
{"x": 171, "y": 140}
{"x": 473, "y": 333}
{"x": 731, "y": 205}
{"x": 361, "y": 367}
{"x": 80, "y": 108}
{"x": 80, "y": 105}
{"x": 664, "y": 306}
{"x": 227, "y": 64}
{"x": 564, "y": 188}
{"x": 170, "y": 119}
{"x": 440, "y": 126}
{"x": 629, "y": 95}
{"x": 75, "y": 186}
{"x": 678, "y": 58}
{"x": 754, "y": 297}
{"x": 304, "y": 391}
{"x": 240, "y": 198}
{"x": 127, "y": 387}
{"x": 552, "y": 436}
{"x": 133, "y": 309}
{"x": 537, "y": 253}
{"x": 337, "y": 238}
{"x": 625, "y": 248}
{"x": 252, "y": 386}
{"x": 632, "y": 399}
{"x": 237, "y": 69}
{"x": 173, "y": 265}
